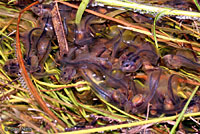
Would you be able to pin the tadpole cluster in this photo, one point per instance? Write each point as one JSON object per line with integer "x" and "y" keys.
{"x": 123, "y": 67}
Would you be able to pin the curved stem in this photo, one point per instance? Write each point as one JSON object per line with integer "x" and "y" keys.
{"x": 25, "y": 74}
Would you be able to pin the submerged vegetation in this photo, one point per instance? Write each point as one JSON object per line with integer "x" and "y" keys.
{"x": 99, "y": 66}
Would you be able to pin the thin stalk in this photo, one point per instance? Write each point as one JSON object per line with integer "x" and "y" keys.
{"x": 183, "y": 111}
{"x": 141, "y": 8}
{"x": 197, "y": 4}
{"x": 114, "y": 127}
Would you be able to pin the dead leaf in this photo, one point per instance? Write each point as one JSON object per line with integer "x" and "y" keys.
{"x": 59, "y": 30}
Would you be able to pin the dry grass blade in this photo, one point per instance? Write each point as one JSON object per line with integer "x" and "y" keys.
{"x": 59, "y": 30}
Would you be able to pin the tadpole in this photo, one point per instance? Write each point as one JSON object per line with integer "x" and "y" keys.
{"x": 115, "y": 97}
{"x": 31, "y": 46}
{"x": 135, "y": 60}
{"x": 178, "y": 61}
{"x": 153, "y": 85}
{"x": 83, "y": 34}
{"x": 91, "y": 62}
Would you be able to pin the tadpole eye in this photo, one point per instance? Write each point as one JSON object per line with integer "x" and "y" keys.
{"x": 127, "y": 64}
{"x": 64, "y": 73}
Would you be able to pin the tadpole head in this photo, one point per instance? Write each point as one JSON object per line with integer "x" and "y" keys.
{"x": 137, "y": 100}
{"x": 119, "y": 96}
{"x": 168, "y": 104}
{"x": 11, "y": 67}
{"x": 134, "y": 104}
{"x": 67, "y": 75}
{"x": 168, "y": 61}
{"x": 127, "y": 66}
{"x": 128, "y": 107}
{"x": 131, "y": 65}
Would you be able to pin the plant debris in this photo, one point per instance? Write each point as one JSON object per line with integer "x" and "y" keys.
{"x": 117, "y": 71}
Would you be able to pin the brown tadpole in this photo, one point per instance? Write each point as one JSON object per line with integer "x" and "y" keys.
{"x": 99, "y": 64}
{"x": 34, "y": 66}
{"x": 39, "y": 46}
{"x": 160, "y": 91}
{"x": 139, "y": 18}
{"x": 178, "y": 61}
{"x": 138, "y": 54}
{"x": 117, "y": 97}
{"x": 43, "y": 50}
{"x": 133, "y": 61}
{"x": 137, "y": 100}
{"x": 167, "y": 86}
{"x": 152, "y": 87}
{"x": 67, "y": 74}
{"x": 12, "y": 67}
{"x": 42, "y": 10}
{"x": 166, "y": 99}
{"x": 119, "y": 76}
{"x": 131, "y": 64}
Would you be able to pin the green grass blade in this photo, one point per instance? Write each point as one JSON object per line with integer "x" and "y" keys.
{"x": 141, "y": 8}
{"x": 158, "y": 16}
{"x": 197, "y": 4}
{"x": 183, "y": 111}
{"x": 128, "y": 125}
{"x": 81, "y": 10}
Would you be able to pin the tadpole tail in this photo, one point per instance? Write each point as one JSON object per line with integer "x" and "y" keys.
{"x": 153, "y": 85}
{"x": 189, "y": 63}
{"x": 148, "y": 51}
{"x": 171, "y": 90}
{"x": 96, "y": 88}
{"x": 117, "y": 39}
{"x": 65, "y": 26}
